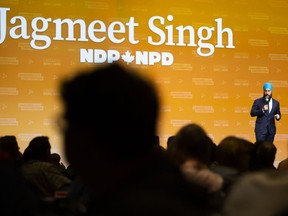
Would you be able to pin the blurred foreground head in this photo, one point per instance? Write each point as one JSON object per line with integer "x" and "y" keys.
{"x": 109, "y": 109}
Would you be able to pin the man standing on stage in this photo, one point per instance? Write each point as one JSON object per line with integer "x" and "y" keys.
{"x": 266, "y": 109}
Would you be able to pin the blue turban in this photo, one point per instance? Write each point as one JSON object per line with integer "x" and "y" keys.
{"x": 267, "y": 86}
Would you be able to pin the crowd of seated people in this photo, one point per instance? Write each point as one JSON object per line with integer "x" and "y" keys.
{"x": 117, "y": 166}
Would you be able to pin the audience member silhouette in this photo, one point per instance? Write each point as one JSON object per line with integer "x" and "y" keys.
{"x": 9, "y": 149}
{"x": 43, "y": 176}
{"x": 169, "y": 141}
{"x": 192, "y": 149}
{"x": 16, "y": 197}
{"x": 283, "y": 165}
{"x": 258, "y": 193}
{"x": 55, "y": 158}
{"x": 79, "y": 194}
{"x": 233, "y": 158}
{"x": 236, "y": 153}
{"x": 71, "y": 172}
{"x": 264, "y": 156}
{"x": 158, "y": 145}
{"x": 110, "y": 123}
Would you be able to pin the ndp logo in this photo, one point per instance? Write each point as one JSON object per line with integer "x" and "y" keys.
{"x": 139, "y": 57}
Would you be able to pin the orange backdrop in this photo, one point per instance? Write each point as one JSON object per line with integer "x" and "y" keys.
{"x": 215, "y": 91}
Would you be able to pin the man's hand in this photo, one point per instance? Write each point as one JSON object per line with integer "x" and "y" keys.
{"x": 277, "y": 116}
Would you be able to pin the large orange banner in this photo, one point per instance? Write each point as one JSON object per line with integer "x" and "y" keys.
{"x": 209, "y": 60}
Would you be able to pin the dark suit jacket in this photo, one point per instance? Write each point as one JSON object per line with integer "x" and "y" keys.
{"x": 265, "y": 122}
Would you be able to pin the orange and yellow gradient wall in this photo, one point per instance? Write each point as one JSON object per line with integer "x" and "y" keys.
{"x": 208, "y": 59}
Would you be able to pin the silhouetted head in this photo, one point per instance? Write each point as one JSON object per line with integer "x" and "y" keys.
{"x": 55, "y": 158}
{"x": 109, "y": 108}
{"x": 235, "y": 152}
{"x": 191, "y": 141}
{"x": 265, "y": 154}
{"x": 38, "y": 149}
{"x": 9, "y": 148}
